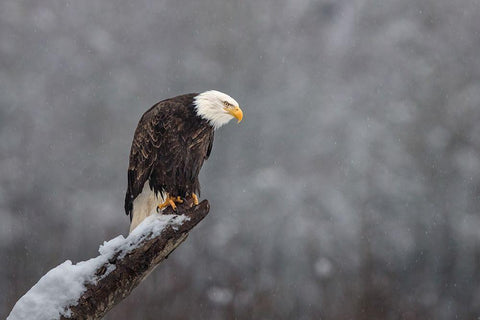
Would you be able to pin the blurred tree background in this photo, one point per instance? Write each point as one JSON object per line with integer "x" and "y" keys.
{"x": 351, "y": 190}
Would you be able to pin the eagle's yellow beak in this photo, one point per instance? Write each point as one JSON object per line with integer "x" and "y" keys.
{"x": 235, "y": 112}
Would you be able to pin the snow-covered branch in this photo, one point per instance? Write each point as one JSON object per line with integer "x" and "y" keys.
{"x": 89, "y": 289}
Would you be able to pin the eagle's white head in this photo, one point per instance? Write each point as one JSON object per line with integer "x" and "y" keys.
{"x": 217, "y": 107}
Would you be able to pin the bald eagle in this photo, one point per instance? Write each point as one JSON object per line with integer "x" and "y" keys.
{"x": 172, "y": 140}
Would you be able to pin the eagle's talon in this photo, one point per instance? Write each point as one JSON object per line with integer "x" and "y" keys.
{"x": 195, "y": 199}
{"x": 170, "y": 202}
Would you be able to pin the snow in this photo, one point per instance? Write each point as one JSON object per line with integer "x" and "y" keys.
{"x": 323, "y": 267}
{"x": 221, "y": 296}
{"x": 61, "y": 287}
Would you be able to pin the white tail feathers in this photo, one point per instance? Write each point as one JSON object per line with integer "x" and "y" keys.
{"x": 144, "y": 205}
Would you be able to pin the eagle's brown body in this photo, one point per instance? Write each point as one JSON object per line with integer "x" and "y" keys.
{"x": 170, "y": 144}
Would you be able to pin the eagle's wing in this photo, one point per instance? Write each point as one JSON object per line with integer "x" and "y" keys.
{"x": 210, "y": 145}
{"x": 200, "y": 144}
{"x": 145, "y": 151}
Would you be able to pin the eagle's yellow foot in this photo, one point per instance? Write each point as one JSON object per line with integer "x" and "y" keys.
{"x": 178, "y": 199}
{"x": 195, "y": 199}
{"x": 170, "y": 201}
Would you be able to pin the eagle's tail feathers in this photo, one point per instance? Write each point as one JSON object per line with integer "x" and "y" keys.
{"x": 144, "y": 205}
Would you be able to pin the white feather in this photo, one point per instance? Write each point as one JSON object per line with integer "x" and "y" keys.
{"x": 144, "y": 205}
{"x": 209, "y": 105}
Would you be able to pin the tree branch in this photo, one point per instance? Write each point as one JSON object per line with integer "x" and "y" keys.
{"x": 135, "y": 265}
{"x": 110, "y": 277}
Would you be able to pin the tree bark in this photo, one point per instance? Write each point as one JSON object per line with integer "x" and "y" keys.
{"x": 135, "y": 265}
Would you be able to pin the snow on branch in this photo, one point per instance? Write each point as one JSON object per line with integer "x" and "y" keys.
{"x": 89, "y": 289}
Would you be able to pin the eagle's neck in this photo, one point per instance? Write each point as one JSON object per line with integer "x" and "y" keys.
{"x": 208, "y": 106}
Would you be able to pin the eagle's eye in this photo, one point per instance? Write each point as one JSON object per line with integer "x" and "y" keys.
{"x": 227, "y": 104}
